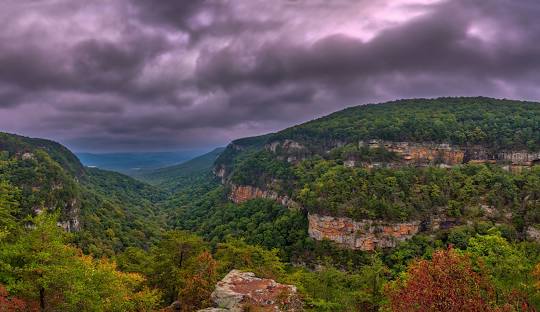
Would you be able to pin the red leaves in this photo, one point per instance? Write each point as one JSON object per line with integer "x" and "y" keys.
{"x": 446, "y": 283}
{"x": 13, "y": 304}
{"x": 198, "y": 287}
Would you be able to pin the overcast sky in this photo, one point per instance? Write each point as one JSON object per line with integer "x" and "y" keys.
{"x": 136, "y": 75}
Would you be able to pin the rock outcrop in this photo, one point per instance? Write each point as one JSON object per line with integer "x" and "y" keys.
{"x": 286, "y": 146}
{"x": 221, "y": 172}
{"x": 424, "y": 154}
{"x": 288, "y": 150}
{"x": 243, "y": 291}
{"x": 533, "y": 233}
{"x": 451, "y": 155}
{"x": 242, "y": 193}
{"x": 361, "y": 235}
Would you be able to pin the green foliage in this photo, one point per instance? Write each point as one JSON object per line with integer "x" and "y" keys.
{"x": 330, "y": 289}
{"x": 125, "y": 219}
{"x": 11, "y": 145}
{"x": 114, "y": 211}
{"x": 260, "y": 222}
{"x": 509, "y": 266}
{"x": 180, "y": 266}
{"x": 43, "y": 183}
{"x": 239, "y": 146}
{"x": 362, "y": 154}
{"x": 490, "y": 122}
{"x": 40, "y": 266}
{"x": 178, "y": 177}
{"x": 236, "y": 254}
{"x": 118, "y": 212}
{"x": 172, "y": 260}
{"x": 259, "y": 169}
{"x": 420, "y": 246}
{"x": 9, "y": 208}
{"x": 406, "y": 193}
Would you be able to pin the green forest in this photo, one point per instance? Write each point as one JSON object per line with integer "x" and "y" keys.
{"x": 74, "y": 238}
{"x": 497, "y": 123}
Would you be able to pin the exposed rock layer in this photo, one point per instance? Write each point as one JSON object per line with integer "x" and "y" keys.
{"x": 418, "y": 153}
{"x": 242, "y": 291}
{"x": 362, "y": 235}
{"x": 242, "y": 193}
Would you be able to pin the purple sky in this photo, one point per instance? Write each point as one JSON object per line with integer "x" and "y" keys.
{"x": 134, "y": 75}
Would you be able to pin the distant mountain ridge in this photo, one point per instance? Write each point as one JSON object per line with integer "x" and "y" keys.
{"x": 132, "y": 163}
{"x": 174, "y": 177}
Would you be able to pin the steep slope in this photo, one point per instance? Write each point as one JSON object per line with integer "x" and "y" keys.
{"x": 373, "y": 175}
{"x": 11, "y": 144}
{"x": 107, "y": 211}
{"x": 175, "y": 177}
{"x": 499, "y": 124}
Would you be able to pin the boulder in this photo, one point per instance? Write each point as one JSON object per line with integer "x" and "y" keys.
{"x": 239, "y": 291}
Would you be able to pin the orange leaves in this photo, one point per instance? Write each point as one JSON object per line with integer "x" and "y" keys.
{"x": 14, "y": 304}
{"x": 199, "y": 286}
{"x": 446, "y": 283}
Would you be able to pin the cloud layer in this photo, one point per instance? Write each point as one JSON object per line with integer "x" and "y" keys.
{"x": 158, "y": 75}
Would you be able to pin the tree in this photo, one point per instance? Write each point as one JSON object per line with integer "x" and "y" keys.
{"x": 13, "y": 304}
{"x": 174, "y": 260}
{"x": 446, "y": 283}
{"x": 39, "y": 266}
{"x": 236, "y": 254}
{"x": 197, "y": 289}
{"x": 9, "y": 207}
{"x": 508, "y": 266}
{"x": 36, "y": 260}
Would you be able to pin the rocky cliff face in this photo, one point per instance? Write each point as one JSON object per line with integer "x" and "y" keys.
{"x": 451, "y": 155}
{"x": 412, "y": 153}
{"x": 418, "y": 153}
{"x": 243, "y": 291}
{"x": 289, "y": 150}
{"x": 242, "y": 193}
{"x": 221, "y": 172}
{"x": 361, "y": 235}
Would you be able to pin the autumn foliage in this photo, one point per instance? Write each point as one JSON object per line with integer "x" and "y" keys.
{"x": 14, "y": 304}
{"x": 199, "y": 286}
{"x": 446, "y": 283}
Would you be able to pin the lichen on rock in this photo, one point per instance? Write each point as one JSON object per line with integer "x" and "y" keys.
{"x": 241, "y": 291}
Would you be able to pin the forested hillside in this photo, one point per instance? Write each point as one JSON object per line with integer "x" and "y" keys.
{"x": 414, "y": 205}
{"x": 404, "y": 178}
{"x": 503, "y": 124}
{"x": 391, "y": 161}
{"x": 109, "y": 211}
{"x": 176, "y": 177}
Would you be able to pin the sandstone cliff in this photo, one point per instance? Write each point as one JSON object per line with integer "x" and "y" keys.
{"x": 362, "y": 235}
{"x": 242, "y": 193}
{"x": 414, "y": 153}
{"x": 451, "y": 155}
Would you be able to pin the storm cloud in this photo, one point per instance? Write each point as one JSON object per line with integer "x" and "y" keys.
{"x": 132, "y": 75}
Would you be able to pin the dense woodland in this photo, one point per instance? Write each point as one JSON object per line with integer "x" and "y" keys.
{"x": 139, "y": 246}
{"x": 491, "y": 122}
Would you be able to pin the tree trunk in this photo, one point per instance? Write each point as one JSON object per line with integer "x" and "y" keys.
{"x": 42, "y": 299}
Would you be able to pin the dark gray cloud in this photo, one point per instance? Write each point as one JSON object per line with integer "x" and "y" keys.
{"x": 141, "y": 74}
{"x": 177, "y": 14}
